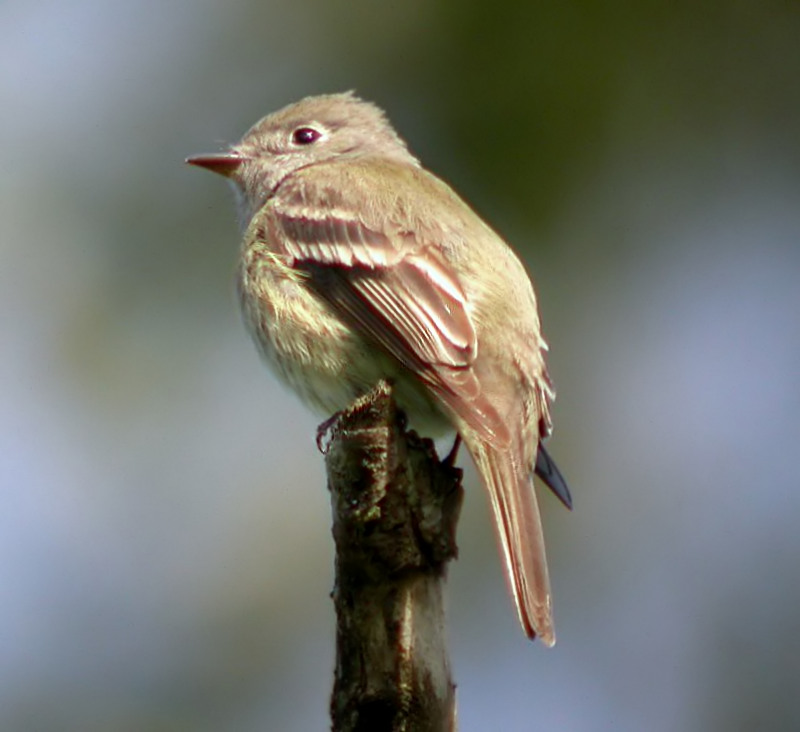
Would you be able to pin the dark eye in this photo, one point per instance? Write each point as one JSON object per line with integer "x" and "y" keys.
{"x": 305, "y": 135}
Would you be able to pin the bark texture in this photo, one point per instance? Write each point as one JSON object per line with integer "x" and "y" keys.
{"x": 395, "y": 509}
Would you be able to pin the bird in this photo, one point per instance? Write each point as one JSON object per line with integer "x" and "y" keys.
{"x": 358, "y": 264}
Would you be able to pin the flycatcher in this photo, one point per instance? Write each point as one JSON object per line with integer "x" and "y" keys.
{"x": 358, "y": 264}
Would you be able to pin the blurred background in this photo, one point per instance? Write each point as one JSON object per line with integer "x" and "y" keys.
{"x": 165, "y": 552}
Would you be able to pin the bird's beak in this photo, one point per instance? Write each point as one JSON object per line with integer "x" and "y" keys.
{"x": 226, "y": 163}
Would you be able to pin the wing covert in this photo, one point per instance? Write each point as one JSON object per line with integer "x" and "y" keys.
{"x": 396, "y": 286}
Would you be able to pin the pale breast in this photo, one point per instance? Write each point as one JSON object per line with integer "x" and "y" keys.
{"x": 309, "y": 348}
{"x": 324, "y": 360}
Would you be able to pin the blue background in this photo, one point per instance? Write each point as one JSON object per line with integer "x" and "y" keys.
{"x": 165, "y": 550}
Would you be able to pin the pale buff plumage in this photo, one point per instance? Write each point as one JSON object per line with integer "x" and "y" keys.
{"x": 358, "y": 264}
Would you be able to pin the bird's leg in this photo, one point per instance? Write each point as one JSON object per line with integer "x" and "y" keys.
{"x": 323, "y": 429}
{"x": 450, "y": 460}
{"x": 402, "y": 420}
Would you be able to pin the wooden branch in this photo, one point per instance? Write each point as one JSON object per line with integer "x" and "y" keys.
{"x": 395, "y": 510}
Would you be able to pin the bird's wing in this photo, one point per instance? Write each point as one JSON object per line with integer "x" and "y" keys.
{"x": 379, "y": 258}
{"x": 383, "y": 275}
{"x": 551, "y": 476}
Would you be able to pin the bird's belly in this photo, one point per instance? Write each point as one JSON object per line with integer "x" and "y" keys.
{"x": 317, "y": 353}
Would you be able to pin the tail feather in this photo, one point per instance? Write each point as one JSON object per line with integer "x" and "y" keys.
{"x": 519, "y": 528}
{"x": 548, "y": 471}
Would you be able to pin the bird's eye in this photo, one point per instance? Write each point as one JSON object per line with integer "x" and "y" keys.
{"x": 305, "y": 135}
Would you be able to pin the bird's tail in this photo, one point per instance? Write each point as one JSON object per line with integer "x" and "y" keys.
{"x": 519, "y": 527}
